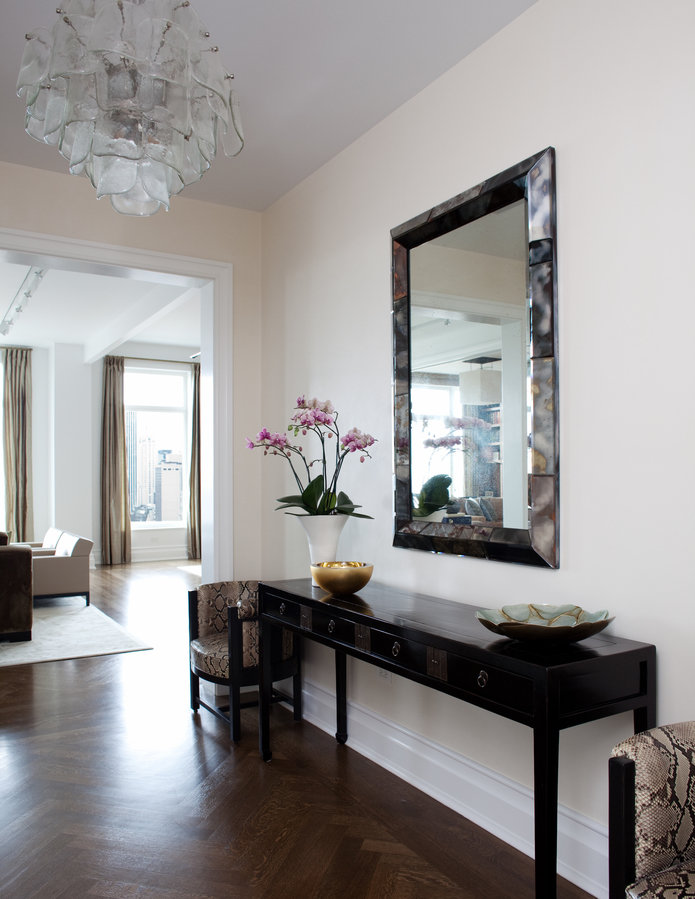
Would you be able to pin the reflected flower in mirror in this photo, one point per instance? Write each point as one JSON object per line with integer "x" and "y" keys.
{"x": 465, "y": 442}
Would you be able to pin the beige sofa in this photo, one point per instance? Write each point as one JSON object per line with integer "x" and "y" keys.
{"x": 64, "y": 572}
{"x": 48, "y": 545}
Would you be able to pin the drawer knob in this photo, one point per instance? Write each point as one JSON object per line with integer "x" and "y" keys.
{"x": 331, "y": 626}
{"x": 283, "y": 608}
{"x": 395, "y": 649}
{"x": 482, "y": 679}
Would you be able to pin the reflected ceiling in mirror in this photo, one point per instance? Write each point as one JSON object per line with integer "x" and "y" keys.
{"x": 475, "y": 371}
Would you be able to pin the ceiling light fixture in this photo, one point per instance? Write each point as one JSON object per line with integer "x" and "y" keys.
{"x": 133, "y": 95}
{"x": 19, "y": 301}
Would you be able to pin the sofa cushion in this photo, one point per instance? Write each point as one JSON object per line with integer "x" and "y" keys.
{"x": 492, "y": 507}
{"x": 72, "y": 545}
{"x": 472, "y": 507}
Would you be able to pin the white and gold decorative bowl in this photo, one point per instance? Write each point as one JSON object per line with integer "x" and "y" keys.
{"x": 536, "y": 621}
{"x": 341, "y": 578}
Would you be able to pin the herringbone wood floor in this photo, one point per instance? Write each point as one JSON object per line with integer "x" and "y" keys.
{"x": 110, "y": 787}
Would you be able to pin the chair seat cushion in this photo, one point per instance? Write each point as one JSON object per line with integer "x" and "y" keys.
{"x": 210, "y": 654}
{"x": 673, "y": 883}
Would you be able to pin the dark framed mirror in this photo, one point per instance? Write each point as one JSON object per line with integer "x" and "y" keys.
{"x": 475, "y": 371}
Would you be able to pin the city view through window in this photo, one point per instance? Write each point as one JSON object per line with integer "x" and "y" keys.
{"x": 157, "y": 436}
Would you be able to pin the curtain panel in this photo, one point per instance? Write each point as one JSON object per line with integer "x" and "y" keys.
{"x": 115, "y": 502}
{"x": 193, "y": 524}
{"x": 16, "y": 397}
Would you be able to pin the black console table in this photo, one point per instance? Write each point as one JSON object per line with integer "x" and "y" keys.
{"x": 441, "y": 644}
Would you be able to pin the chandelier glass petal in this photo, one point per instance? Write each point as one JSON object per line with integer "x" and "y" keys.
{"x": 133, "y": 95}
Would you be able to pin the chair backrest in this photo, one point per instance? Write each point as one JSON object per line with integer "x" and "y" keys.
{"x": 214, "y": 599}
{"x": 664, "y": 760}
{"x": 50, "y": 538}
{"x": 4, "y": 538}
{"x": 72, "y": 545}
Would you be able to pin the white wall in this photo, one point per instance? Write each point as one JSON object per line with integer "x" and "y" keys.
{"x": 611, "y": 88}
{"x": 62, "y": 440}
{"x": 72, "y": 444}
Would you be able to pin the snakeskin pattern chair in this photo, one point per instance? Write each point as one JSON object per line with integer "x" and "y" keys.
{"x": 652, "y": 814}
{"x": 223, "y": 632}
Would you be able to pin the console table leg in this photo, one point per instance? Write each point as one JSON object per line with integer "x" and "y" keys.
{"x": 341, "y": 695}
{"x": 545, "y": 775}
{"x": 265, "y": 687}
{"x": 645, "y": 717}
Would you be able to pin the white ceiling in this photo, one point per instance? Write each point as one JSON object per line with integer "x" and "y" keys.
{"x": 311, "y": 75}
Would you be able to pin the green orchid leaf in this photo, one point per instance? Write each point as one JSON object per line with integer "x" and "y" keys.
{"x": 346, "y": 507}
{"x": 292, "y": 500}
{"x": 327, "y": 504}
{"x": 312, "y": 494}
{"x": 293, "y": 506}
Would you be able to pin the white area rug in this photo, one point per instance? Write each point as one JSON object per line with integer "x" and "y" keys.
{"x": 69, "y": 630}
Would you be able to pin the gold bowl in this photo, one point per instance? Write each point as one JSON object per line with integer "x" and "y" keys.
{"x": 341, "y": 578}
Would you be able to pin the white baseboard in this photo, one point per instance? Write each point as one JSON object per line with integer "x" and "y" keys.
{"x": 151, "y": 554}
{"x": 158, "y": 553}
{"x": 491, "y": 800}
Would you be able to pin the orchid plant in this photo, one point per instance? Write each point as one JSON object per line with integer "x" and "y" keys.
{"x": 465, "y": 442}
{"x": 318, "y": 495}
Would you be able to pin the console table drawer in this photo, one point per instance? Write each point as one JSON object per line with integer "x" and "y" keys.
{"x": 282, "y": 609}
{"x": 483, "y": 682}
{"x": 328, "y": 624}
{"x": 407, "y": 654}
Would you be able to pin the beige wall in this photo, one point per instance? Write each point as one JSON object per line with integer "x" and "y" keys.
{"x": 610, "y": 88}
{"x": 45, "y": 203}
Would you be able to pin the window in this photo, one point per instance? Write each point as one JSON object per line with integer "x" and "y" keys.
{"x": 432, "y": 406}
{"x": 157, "y": 421}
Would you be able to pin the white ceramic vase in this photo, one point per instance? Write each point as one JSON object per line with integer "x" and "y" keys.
{"x": 323, "y": 533}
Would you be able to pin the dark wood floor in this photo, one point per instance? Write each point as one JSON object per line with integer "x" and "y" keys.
{"x": 110, "y": 787}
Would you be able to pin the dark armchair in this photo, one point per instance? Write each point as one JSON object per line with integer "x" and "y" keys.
{"x": 16, "y": 598}
{"x": 652, "y": 814}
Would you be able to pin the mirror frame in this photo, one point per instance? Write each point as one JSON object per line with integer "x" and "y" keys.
{"x": 532, "y": 180}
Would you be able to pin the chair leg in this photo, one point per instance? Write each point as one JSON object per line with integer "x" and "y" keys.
{"x": 235, "y": 712}
{"x": 195, "y": 692}
{"x": 86, "y": 596}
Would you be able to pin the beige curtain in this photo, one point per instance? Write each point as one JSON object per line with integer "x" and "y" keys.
{"x": 115, "y": 503}
{"x": 194, "y": 477}
{"x": 16, "y": 395}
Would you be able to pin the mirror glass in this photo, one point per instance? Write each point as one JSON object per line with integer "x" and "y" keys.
{"x": 476, "y": 406}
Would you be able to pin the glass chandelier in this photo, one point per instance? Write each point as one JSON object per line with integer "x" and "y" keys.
{"x": 133, "y": 95}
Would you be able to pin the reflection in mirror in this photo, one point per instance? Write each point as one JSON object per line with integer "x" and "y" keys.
{"x": 469, "y": 351}
{"x": 470, "y": 432}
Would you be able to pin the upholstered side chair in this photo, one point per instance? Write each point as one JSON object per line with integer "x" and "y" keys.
{"x": 16, "y": 598}
{"x": 223, "y": 633}
{"x": 651, "y": 814}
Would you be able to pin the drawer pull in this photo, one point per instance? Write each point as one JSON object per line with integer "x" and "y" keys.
{"x": 395, "y": 649}
{"x": 283, "y": 608}
{"x": 482, "y": 679}
{"x": 331, "y": 626}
